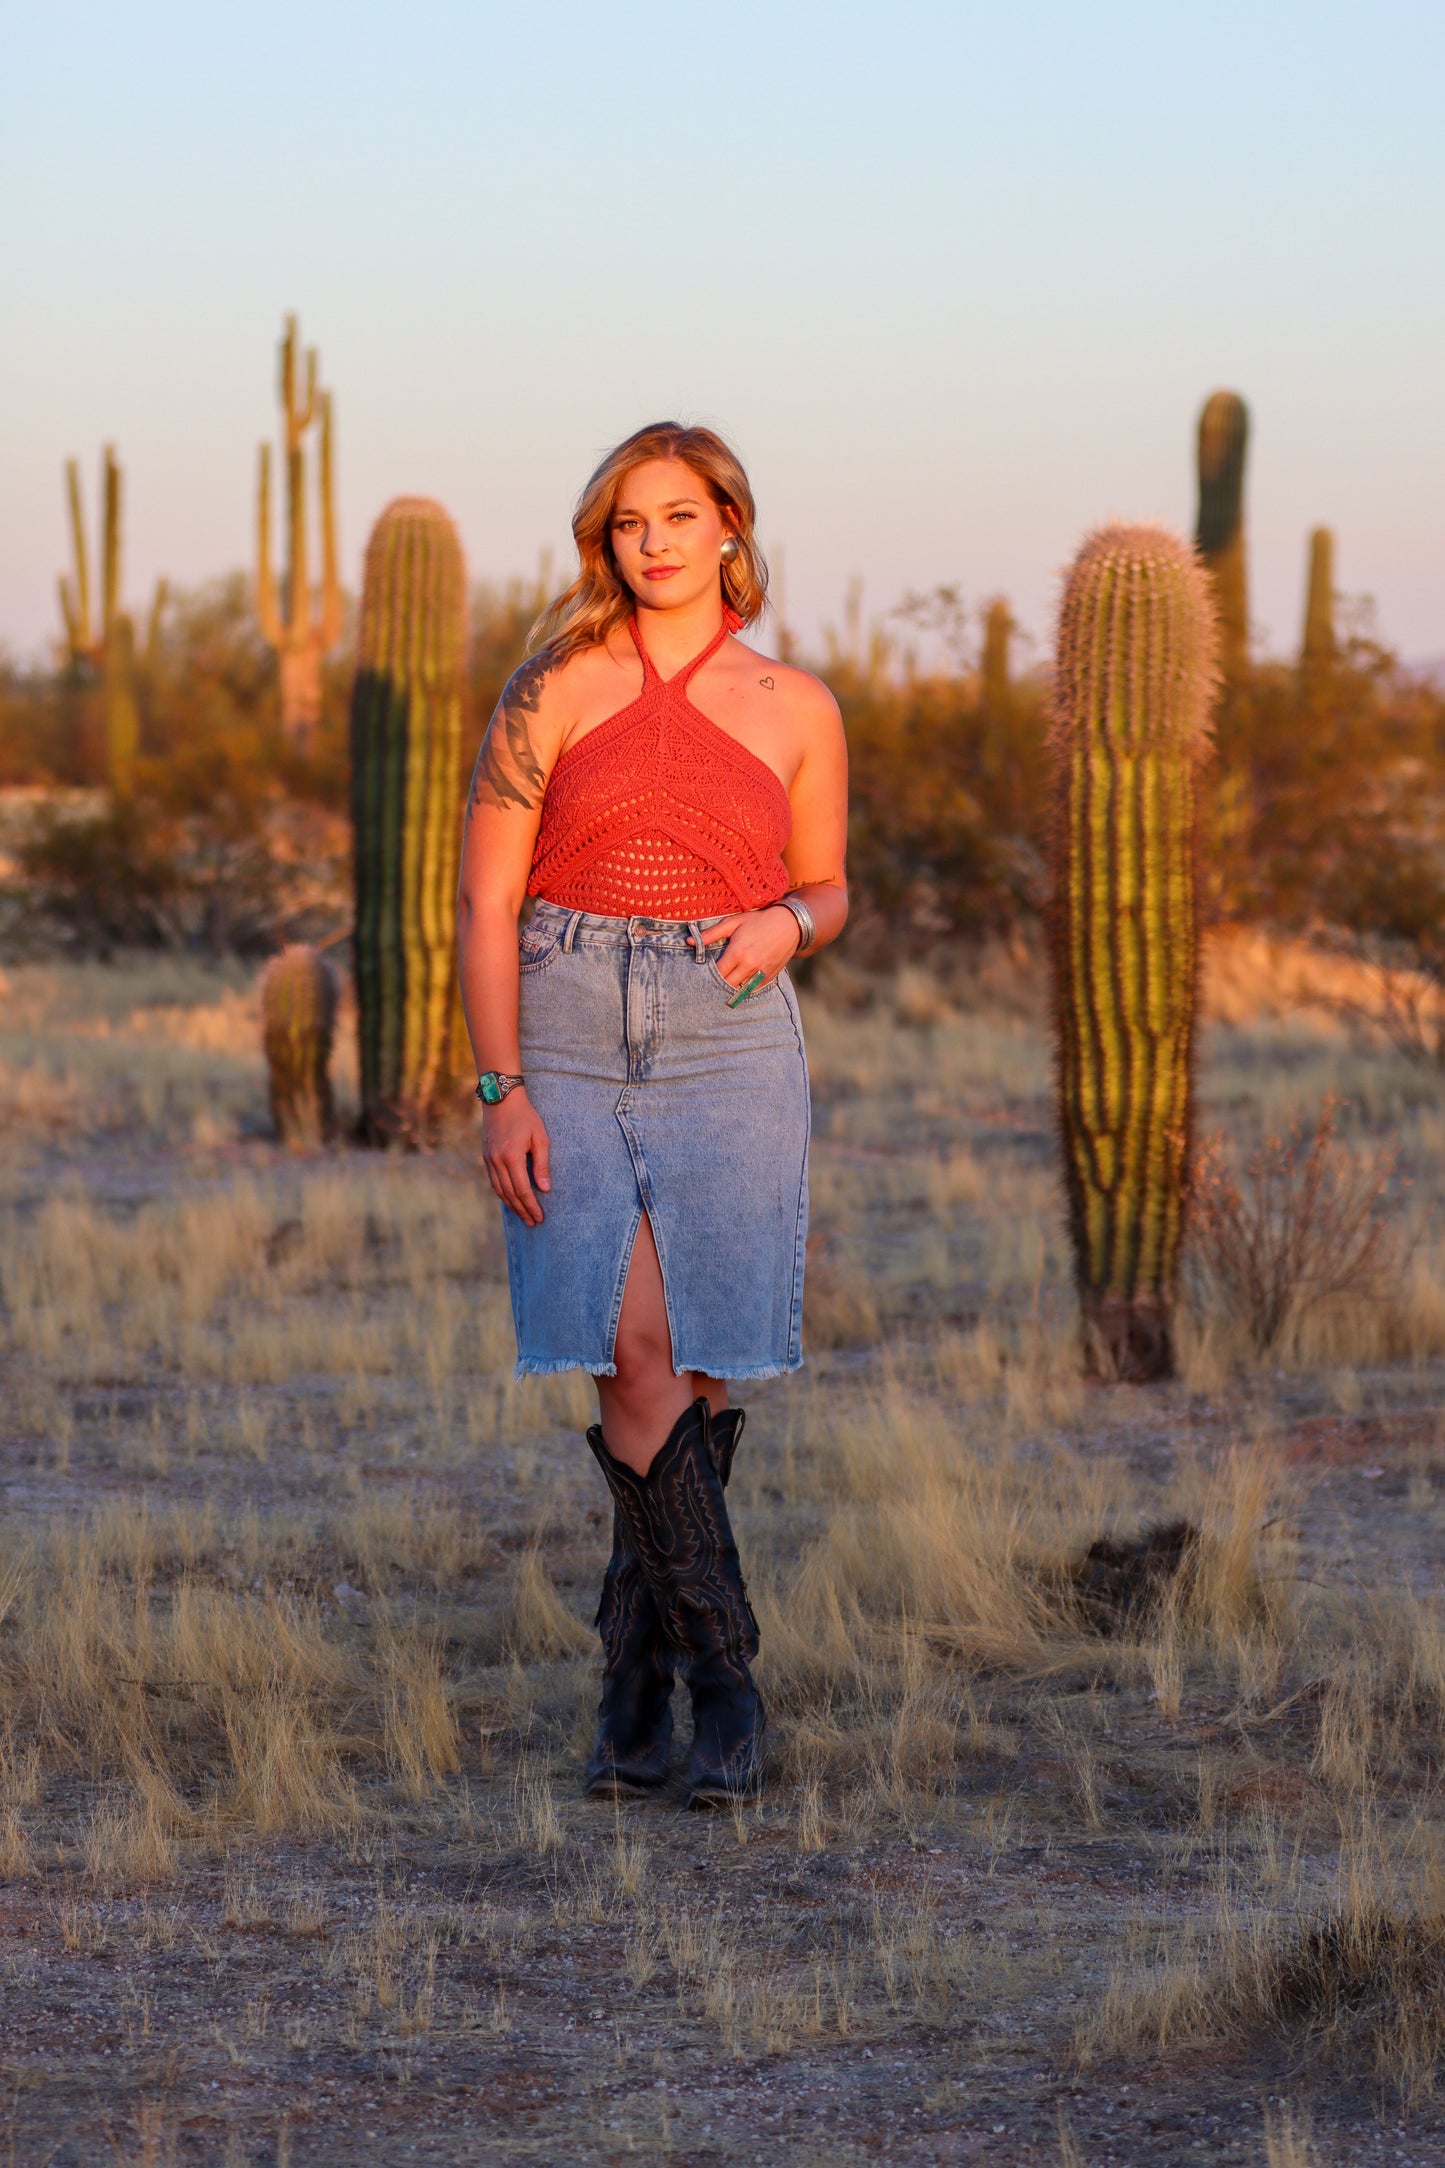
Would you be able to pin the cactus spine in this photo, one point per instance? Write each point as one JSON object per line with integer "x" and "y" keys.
{"x": 1317, "y": 649}
{"x": 298, "y": 1016}
{"x": 406, "y": 735}
{"x": 1134, "y": 678}
{"x": 1219, "y": 533}
{"x": 300, "y": 638}
{"x": 106, "y": 650}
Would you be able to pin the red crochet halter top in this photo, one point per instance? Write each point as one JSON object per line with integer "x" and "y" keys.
{"x": 658, "y": 813}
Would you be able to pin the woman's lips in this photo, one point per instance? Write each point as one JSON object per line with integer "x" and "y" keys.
{"x": 661, "y": 572}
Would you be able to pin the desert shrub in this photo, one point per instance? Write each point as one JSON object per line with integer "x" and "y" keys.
{"x": 1327, "y": 801}
{"x": 135, "y": 873}
{"x": 947, "y": 800}
{"x": 1306, "y": 1227}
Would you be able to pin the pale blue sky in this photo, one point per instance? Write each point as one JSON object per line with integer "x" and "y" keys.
{"x": 954, "y": 279}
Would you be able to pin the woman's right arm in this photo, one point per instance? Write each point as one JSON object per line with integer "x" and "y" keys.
{"x": 504, "y": 811}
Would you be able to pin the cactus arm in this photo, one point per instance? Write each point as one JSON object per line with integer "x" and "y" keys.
{"x": 307, "y": 414}
{"x": 267, "y": 614}
{"x": 153, "y": 623}
{"x": 110, "y": 544}
{"x": 68, "y": 617}
{"x": 998, "y": 631}
{"x": 297, "y": 596}
{"x": 1317, "y": 649}
{"x": 80, "y": 644}
{"x": 331, "y": 616}
{"x": 122, "y": 718}
{"x": 1223, "y": 442}
{"x": 288, "y": 377}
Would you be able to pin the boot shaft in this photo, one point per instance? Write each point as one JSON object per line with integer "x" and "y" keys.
{"x": 676, "y": 1520}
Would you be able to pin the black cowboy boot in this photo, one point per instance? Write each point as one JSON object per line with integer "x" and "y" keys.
{"x": 634, "y": 1716}
{"x": 677, "y": 1520}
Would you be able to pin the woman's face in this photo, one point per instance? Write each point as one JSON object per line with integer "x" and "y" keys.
{"x": 667, "y": 534}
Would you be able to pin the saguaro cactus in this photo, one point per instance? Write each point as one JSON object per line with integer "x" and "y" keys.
{"x": 1317, "y": 649}
{"x": 1219, "y": 532}
{"x": 298, "y": 1016}
{"x": 108, "y": 649}
{"x": 300, "y": 637}
{"x": 1134, "y": 679}
{"x": 406, "y": 734}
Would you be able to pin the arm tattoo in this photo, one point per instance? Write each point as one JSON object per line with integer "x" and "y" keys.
{"x": 508, "y": 772}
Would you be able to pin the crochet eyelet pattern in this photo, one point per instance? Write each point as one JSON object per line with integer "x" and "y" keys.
{"x": 658, "y": 813}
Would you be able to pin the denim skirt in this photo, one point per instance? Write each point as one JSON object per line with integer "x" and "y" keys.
{"x": 659, "y": 1097}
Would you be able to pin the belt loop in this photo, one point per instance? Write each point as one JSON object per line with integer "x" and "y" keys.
{"x": 574, "y": 920}
{"x": 699, "y": 952}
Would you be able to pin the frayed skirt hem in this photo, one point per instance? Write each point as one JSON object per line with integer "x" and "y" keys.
{"x": 551, "y": 1366}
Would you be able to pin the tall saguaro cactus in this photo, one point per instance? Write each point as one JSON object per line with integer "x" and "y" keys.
{"x": 301, "y": 628}
{"x": 106, "y": 648}
{"x": 1317, "y": 648}
{"x": 1219, "y": 532}
{"x": 406, "y": 735}
{"x": 1134, "y": 680}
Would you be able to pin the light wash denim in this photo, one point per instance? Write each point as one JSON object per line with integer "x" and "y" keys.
{"x": 657, "y": 1095}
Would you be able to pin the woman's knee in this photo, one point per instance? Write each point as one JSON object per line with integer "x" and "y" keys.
{"x": 643, "y": 1351}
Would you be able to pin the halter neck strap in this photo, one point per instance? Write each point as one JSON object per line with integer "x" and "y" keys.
{"x": 680, "y": 678}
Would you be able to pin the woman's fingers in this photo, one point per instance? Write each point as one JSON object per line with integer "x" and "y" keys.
{"x": 722, "y": 931}
{"x": 507, "y": 1173}
{"x": 541, "y": 1158}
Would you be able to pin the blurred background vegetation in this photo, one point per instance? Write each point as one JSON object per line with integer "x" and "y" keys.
{"x": 1325, "y": 799}
{"x": 183, "y": 780}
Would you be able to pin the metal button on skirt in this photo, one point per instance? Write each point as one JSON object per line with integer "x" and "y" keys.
{"x": 659, "y": 1097}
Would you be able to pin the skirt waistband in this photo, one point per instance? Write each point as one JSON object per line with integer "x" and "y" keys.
{"x": 589, "y": 929}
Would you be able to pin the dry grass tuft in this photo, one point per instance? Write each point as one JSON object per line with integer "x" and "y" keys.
{"x": 541, "y": 1626}
{"x": 1288, "y": 2139}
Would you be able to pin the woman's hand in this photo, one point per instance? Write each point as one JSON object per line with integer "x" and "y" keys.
{"x": 511, "y": 1132}
{"x": 756, "y": 941}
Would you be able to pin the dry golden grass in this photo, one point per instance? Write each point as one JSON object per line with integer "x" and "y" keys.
{"x": 299, "y": 1582}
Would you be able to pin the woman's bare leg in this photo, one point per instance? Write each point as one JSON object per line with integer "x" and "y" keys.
{"x": 640, "y": 1405}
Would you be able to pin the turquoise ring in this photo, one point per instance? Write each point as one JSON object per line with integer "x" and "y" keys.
{"x": 743, "y": 991}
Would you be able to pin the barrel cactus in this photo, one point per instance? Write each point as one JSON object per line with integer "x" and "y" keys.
{"x": 1219, "y": 534}
{"x": 298, "y": 1016}
{"x": 406, "y": 737}
{"x": 1134, "y": 682}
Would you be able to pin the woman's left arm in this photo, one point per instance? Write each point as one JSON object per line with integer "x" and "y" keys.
{"x": 816, "y": 857}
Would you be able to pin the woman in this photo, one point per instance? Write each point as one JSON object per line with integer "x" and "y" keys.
{"x": 677, "y": 804}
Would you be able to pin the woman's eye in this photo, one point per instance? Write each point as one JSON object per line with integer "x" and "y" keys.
{"x": 684, "y": 515}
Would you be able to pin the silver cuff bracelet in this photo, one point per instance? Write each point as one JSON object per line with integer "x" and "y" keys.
{"x": 804, "y": 916}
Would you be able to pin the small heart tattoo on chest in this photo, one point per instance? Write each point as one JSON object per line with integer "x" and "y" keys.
{"x": 766, "y": 683}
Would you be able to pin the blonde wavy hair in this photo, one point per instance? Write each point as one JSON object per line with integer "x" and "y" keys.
{"x": 599, "y": 599}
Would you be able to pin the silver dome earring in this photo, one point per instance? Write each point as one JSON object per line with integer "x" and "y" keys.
{"x": 729, "y": 549}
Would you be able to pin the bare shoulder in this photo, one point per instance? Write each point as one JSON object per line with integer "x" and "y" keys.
{"x": 803, "y": 697}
